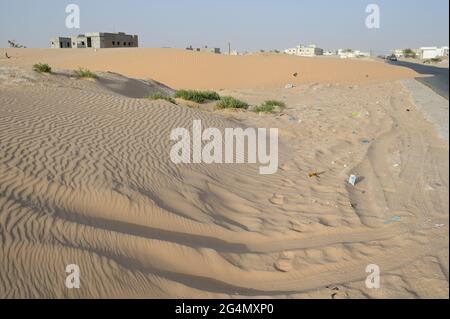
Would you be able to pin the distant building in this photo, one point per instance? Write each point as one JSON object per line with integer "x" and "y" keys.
{"x": 350, "y": 53}
{"x": 96, "y": 40}
{"x": 346, "y": 53}
{"x": 210, "y": 50}
{"x": 362, "y": 54}
{"x": 329, "y": 52}
{"x": 443, "y": 51}
{"x": 301, "y": 50}
{"x": 426, "y": 53}
{"x": 61, "y": 42}
{"x": 399, "y": 53}
{"x": 204, "y": 49}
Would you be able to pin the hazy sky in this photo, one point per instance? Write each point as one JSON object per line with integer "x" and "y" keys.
{"x": 248, "y": 24}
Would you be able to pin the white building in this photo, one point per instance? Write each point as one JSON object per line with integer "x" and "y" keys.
{"x": 350, "y": 53}
{"x": 346, "y": 53}
{"x": 443, "y": 51}
{"x": 329, "y": 52}
{"x": 362, "y": 54}
{"x": 426, "y": 53}
{"x": 233, "y": 52}
{"x": 399, "y": 53}
{"x": 301, "y": 50}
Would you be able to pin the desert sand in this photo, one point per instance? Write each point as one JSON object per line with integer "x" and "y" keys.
{"x": 86, "y": 179}
{"x": 181, "y": 69}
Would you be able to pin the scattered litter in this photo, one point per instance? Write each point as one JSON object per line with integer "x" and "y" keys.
{"x": 408, "y": 110}
{"x": 355, "y": 114}
{"x": 292, "y": 119}
{"x": 295, "y": 74}
{"x": 315, "y": 174}
{"x": 7, "y": 56}
{"x": 393, "y": 219}
{"x": 396, "y": 165}
{"x": 365, "y": 141}
{"x": 299, "y": 121}
{"x": 289, "y": 86}
{"x": 438, "y": 225}
{"x": 352, "y": 180}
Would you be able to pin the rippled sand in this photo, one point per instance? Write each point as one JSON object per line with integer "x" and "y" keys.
{"x": 86, "y": 179}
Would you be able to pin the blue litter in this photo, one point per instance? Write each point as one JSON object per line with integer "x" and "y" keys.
{"x": 393, "y": 219}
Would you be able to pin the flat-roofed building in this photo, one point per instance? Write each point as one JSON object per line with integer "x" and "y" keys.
{"x": 60, "y": 43}
{"x": 96, "y": 40}
{"x": 301, "y": 50}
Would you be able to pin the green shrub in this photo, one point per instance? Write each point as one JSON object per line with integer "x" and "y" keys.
{"x": 275, "y": 103}
{"x": 228, "y": 102}
{"x": 85, "y": 73}
{"x": 264, "y": 108}
{"x": 409, "y": 53}
{"x": 269, "y": 106}
{"x": 42, "y": 68}
{"x": 197, "y": 96}
{"x": 160, "y": 96}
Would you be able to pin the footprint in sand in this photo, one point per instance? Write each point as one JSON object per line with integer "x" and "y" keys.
{"x": 284, "y": 262}
{"x": 285, "y": 167}
{"x": 301, "y": 227}
{"x": 277, "y": 199}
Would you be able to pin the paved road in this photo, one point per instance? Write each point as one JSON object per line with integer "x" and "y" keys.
{"x": 433, "y": 106}
{"x": 438, "y": 81}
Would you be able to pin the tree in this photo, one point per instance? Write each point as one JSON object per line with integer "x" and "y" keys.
{"x": 409, "y": 53}
{"x": 14, "y": 44}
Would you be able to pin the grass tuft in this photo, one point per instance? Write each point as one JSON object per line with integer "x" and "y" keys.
{"x": 85, "y": 73}
{"x": 197, "y": 96}
{"x": 42, "y": 68}
{"x": 160, "y": 96}
{"x": 229, "y": 102}
{"x": 269, "y": 106}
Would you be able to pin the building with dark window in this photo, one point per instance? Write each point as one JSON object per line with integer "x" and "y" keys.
{"x": 96, "y": 40}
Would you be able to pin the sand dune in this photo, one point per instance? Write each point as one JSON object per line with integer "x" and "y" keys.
{"x": 85, "y": 178}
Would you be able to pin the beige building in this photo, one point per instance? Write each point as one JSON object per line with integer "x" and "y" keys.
{"x": 204, "y": 49}
{"x": 301, "y": 50}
